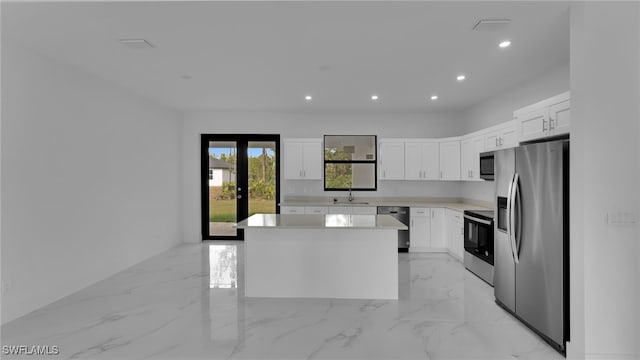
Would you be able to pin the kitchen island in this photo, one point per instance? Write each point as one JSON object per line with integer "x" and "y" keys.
{"x": 321, "y": 256}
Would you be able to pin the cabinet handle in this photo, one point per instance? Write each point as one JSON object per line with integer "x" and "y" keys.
{"x": 304, "y": 173}
{"x": 411, "y": 222}
{"x": 496, "y": 142}
{"x": 433, "y": 214}
{"x": 551, "y": 127}
{"x": 501, "y": 141}
{"x": 440, "y": 174}
{"x": 471, "y": 171}
{"x": 544, "y": 125}
{"x": 384, "y": 173}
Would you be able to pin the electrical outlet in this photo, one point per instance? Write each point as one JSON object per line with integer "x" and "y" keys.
{"x": 5, "y": 287}
{"x": 622, "y": 217}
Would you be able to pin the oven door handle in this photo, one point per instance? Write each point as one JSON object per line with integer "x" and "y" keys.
{"x": 475, "y": 219}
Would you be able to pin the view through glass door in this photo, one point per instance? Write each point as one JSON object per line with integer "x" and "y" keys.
{"x": 240, "y": 177}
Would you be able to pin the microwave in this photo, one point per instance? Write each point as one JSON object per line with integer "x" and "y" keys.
{"x": 487, "y": 168}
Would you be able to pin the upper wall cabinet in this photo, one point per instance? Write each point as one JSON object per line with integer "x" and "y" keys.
{"x": 391, "y": 160}
{"x": 501, "y": 136}
{"x": 449, "y": 159}
{"x": 421, "y": 160}
{"x": 470, "y": 149}
{"x": 303, "y": 159}
{"x": 550, "y": 117}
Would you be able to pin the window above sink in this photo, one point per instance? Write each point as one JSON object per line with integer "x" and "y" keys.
{"x": 350, "y": 162}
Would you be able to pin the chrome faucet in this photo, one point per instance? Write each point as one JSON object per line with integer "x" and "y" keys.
{"x": 350, "y": 195}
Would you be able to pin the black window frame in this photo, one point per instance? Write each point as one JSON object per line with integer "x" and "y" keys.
{"x": 374, "y": 162}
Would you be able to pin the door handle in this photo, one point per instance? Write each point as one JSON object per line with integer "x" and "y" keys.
{"x": 518, "y": 218}
{"x": 512, "y": 217}
{"x": 509, "y": 210}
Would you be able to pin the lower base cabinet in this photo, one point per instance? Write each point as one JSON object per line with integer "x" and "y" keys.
{"x": 455, "y": 234}
{"x": 427, "y": 230}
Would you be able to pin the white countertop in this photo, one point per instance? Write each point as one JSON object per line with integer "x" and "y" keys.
{"x": 418, "y": 202}
{"x": 329, "y": 221}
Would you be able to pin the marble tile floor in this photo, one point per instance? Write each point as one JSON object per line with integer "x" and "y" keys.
{"x": 188, "y": 303}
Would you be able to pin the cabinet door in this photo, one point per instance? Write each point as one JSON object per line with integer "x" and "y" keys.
{"x": 340, "y": 210}
{"x": 430, "y": 160}
{"x": 316, "y": 210}
{"x": 534, "y": 124}
{"x": 508, "y": 136}
{"x": 364, "y": 210}
{"x": 312, "y": 162}
{"x": 392, "y": 160}
{"x": 491, "y": 140}
{"x": 466, "y": 159}
{"x": 291, "y": 210}
{"x": 438, "y": 240}
{"x": 560, "y": 118}
{"x": 450, "y": 160}
{"x": 293, "y": 160}
{"x": 413, "y": 161}
{"x": 420, "y": 233}
{"x": 478, "y": 147}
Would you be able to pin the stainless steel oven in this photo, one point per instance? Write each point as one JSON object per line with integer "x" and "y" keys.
{"x": 478, "y": 243}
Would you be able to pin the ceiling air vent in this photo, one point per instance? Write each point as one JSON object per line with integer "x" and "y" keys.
{"x": 491, "y": 24}
{"x": 136, "y": 43}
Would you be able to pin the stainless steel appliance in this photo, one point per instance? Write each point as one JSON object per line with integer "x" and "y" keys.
{"x": 402, "y": 214}
{"x": 487, "y": 168}
{"x": 531, "y": 239}
{"x": 478, "y": 243}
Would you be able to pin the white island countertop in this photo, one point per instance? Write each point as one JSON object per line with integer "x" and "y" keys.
{"x": 329, "y": 221}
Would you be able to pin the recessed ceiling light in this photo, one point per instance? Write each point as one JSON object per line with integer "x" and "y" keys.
{"x": 136, "y": 43}
{"x": 434, "y": 97}
{"x": 308, "y": 98}
{"x": 505, "y": 44}
{"x": 461, "y": 77}
{"x": 185, "y": 77}
{"x": 374, "y": 97}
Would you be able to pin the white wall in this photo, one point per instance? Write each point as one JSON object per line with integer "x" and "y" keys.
{"x": 605, "y": 88}
{"x": 499, "y": 109}
{"x": 112, "y": 195}
{"x": 311, "y": 125}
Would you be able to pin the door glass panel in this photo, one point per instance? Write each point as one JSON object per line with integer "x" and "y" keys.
{"x": 262, "y": 177}
{"x": 223, "y": 215}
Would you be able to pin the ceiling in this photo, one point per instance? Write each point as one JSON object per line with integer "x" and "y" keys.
{"x": 269, "y": 55}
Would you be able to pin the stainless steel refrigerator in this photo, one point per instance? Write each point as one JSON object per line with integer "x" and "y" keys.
{"x": 531, "y": 237}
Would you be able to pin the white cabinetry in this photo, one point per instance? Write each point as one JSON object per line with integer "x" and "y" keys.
{"x": 426, "y": 230}
{"x": 550, "y": 117}
{"x": 291, "y": 209}
{"x": 501, "y": 136}
{"x": 316, "y": 210}
{"x": 449, "y": 159}
{"x": 353, "y": 210}
{"x": 422, "y": 160}
{"x": 420, "y": 229}
{"x": 391, "y": 160}
{"x": 303, "y": 159}
{"x": 470, "y": 148}
{"x": 455, "y": 234}
{"x": 438, "y": 239}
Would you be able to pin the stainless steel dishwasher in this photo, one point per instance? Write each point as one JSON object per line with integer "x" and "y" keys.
{"x": 402, "y": 214}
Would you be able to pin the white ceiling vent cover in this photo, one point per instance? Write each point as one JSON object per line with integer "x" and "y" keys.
{"x": 491, "y": 24}
{"x": 136, "y": 43}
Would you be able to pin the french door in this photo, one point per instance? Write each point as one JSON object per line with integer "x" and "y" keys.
{"x": 240, "y": 176}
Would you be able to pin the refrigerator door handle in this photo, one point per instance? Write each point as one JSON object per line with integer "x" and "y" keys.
{"x": 512, "y": 217}
{"x": 518, "y": 201}
{"x": 509, "y": 210}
